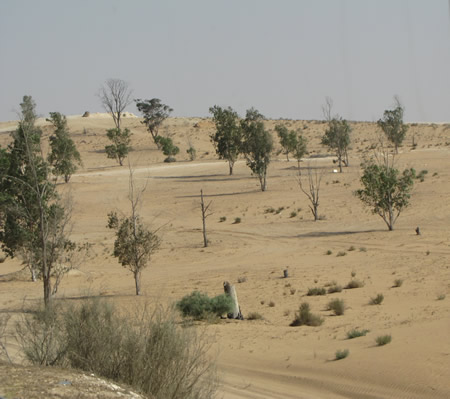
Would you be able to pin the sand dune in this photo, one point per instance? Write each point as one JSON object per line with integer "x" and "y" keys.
{"x": 267, "y": 358}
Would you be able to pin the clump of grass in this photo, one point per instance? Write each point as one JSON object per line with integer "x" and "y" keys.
{"x": 263, "y": 302}
{"x": 222, "y": 219}
{"x": 421, "y": 175}
{"x": 354, "y": 284}
{"x": 304, "y": 317}
{"x": 353, "y": 273}
{"x": 383, "y": 340}
{"x": 237, "y": 221}
{"x": 334, "y": 288}
{"x": 269, "y": 210}
{"x": 352, "y": 248}
{"x": 435, "y": 174}
{"x": 293, "y": 214}
{"x": 337, "y": 306}
{"x": 272, "y": 304}
{"x": 362, "y": 249}
{"x": 441, "y": 297}
{"x": 316, "y": 291}
{"x": 293, "y": 291}
{"x": 279, "y": 210}
{"x": 329, "y": 252}
{"x": 242, "y": 279}
{"x": 355, "y": 333}
{"x": 377, "y": 300}
{"x": 255, "y": 316}
{"x": 341, "y": 253}
{"x": 398, "y": 282}
{"x": 342, "y": 354}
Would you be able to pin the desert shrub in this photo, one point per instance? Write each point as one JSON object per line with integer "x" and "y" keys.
{"x": 353, "y": 273}
{"x": 337, "y": 306}
{"x": 441, "y": 297}
{"x": 269, "y": 210}
{"x": 40, "y": 336}
{"x": 293, "y": 291}
{"x": 334, "y": 288}
{"x": 200, "y": 307}
{"x": 222, "y": 219}
{"x": 149, "y": 352}
{"x": 341, "y": 253}
{"x": 192, "y": 152}
{"x": 355, "y": 333}
{"x": 342, "y": 354}
{"x": 363, "y": 249}
{"x": 293, "y": 214}
{"x": 279, "y": 210}
{"x": 304, "y": 317}
{"x": 398, "y": 282}
{"x": 316, "y": 291}
{"x": 254, "y": 316}
{"x": 383, "y": 340}
{"x": 237, "y": 220}
{"x": 329, "y": 252}
{"x": 354, "y": 284}
{"x": 352, "y": 248}
{"x": 242, "y": 280}
{"x": 272, "y": 304}
{"x": 421, "y": 175}
{"x": 377, "y": 300}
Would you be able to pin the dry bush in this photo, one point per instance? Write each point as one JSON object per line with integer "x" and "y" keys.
{"x": 150, "y": 352}
{"x": 304, "y": 317}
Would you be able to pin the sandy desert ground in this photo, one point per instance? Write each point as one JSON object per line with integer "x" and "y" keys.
{"x": 268, "y": 358}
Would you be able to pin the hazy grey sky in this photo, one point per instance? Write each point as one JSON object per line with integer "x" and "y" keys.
{"x": 282, "y": 57}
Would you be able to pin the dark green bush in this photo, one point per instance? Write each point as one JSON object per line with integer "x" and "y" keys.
{"x": 355, "y": 333}
{"x": 316, "y": 291}
{"x": 199, "y": 306}
{"x": 337, "y": 306}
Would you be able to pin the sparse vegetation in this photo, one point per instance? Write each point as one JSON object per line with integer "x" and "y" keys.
{"x": 377, "y": 300}
{"x": 222, "y": 219}
{"x": 316, "y": 291}
{"x": 398, "y": 282}
{"x": 421, "y": 175}
{"x": 271, "y": 304}
{"x": 341, "y": 253}
{"x": 341, "y": 354}
{"x": 354, "y": 284}
{"x": 334, "y": 288}
{"x": 254, "y": 316}
{"x": 120, "y": 146}
{"x": 241, "y": 280}
{"x": 383, "y": 340}
{"x": 329, "y": 252}
{"x": 337, "y": 306}
{"x": 304, "y": 317}
{"x": 355, "y": 333}
{"x": 237, "y": 220}
{"x": 440, "y": 297}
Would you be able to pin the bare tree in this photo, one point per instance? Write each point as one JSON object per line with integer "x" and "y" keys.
{"x": 313, "y": 189}
{"x": 205, "y": 214}
{"x": 115, "y": 96}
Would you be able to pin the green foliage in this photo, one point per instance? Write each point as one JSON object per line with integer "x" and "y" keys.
{"x": 120, "y": 146}
{"x": 168, "y": 148}
{"x": 316, "y": 291}
{"x": 228, "y": 135}
{"x": 421, "y": 175}
{"x": 383, "y": 340}
{"x": 192, "y": 152}
{"x": 337, "y": 139}
{"x": 304, "y": 317}
{"x": 355, "y": 333}
{"x": 337, "y": 306}
{"x": 342, "y": 354}
{"x": 155, "y": 113}
{"x": 237, "y": 220}
{"x": 393, "y": 126}
{"x": 222, "y": 219}
{"x": 386, "y": 191}
{"x": 398, "y": 282}
{"x": 377, "y": 300}
{"x": 134, "y": 244}
{"x": 64, "y": 155}
{"x": 292, "y": 142}
{"x": 32, "y": 218}
{"x": 200, "y": 306}
{"x": 148, "y": 351}
{"x": 257, "y": 145}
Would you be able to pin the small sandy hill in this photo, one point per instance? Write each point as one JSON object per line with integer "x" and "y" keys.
{"x": 266, "y": 358}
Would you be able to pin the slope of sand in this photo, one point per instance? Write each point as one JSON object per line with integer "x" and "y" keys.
{"x": 267, "y": 358}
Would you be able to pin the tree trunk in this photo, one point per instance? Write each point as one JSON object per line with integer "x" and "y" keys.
{"x": 230, "y": 290}
{"x": 204, "y": 216}
{"x": 340, "y": 164}
{"x": 230, "y": 165}
{"x": 47, "y": 288}
{"x": 137, "y": 281}
{"x": 263, "y": 182}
